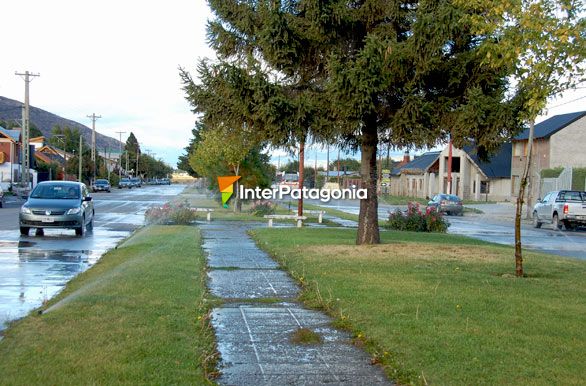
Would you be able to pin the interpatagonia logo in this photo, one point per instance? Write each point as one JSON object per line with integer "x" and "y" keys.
{"x": 226, "y": 185}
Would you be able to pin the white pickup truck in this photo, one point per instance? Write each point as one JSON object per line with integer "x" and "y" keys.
{"x": 564, "y": 207}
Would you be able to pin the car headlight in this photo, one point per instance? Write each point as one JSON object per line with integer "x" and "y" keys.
{"x": 25, "y": 210}
{"x": 74, "y": 210}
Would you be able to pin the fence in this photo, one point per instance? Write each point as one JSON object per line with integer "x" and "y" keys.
{"x": 564, "y": 181}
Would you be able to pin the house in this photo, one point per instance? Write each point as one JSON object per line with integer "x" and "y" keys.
{"x": 10, "y": 155}
{"x": 472, "y": 179}
{"x": 416, "y": 178}
{"x": 558, "y": 142}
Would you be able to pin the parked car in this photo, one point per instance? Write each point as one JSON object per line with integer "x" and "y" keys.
{"x": 165, "y": 181}
{"x": 1, "y": 197}
{"x": 57, "y": 204}
{"x": 449, "y": 204}
{"x": 136, "y": 182}
{"x": 124, "y": 183}
{"x": 564, "y": 207}
{"x": 101, "y": 185}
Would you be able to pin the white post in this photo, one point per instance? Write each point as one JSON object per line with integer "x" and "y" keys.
{"x": 209, "y": 216}
{"x": 270, "y": 223}
{"x": 320, "y": 217}
{"x": 299, "y": 223}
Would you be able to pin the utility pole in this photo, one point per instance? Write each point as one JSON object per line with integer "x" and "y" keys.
{"x": 25, "y": 162}
{"x": 80, "y": 156}
{"x": 120, "y": 154}
{"x": 93, "y": 117}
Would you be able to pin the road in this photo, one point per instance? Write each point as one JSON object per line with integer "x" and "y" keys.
{"x": 495, "y": 225}
{"x": 33, "y": 269}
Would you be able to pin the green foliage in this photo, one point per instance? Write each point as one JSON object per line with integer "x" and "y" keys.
{"x": 416, "y": 220}
{"x": 174, "y": 213}
{"x": 551, "y": 173}
{"x": 261, "y": 208}
{"x": 579, "y": 179}
{"x": 53, "y": 168}
{"x": 66, "y": 138}
{"x": 348, "y": 164}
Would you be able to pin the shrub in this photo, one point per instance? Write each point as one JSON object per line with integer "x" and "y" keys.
{"x": 415, "y": 220}
{"x": 261, "y": 208}
{"x": 178, "y": 213}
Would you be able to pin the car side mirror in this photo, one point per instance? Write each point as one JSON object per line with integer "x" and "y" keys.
{"x": 87, "y": 198}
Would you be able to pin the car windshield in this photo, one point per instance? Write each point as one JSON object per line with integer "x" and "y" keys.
{"x": 101, "y": 182}
{"x": 56, "y": 192}
{"x": 125, "y": 180}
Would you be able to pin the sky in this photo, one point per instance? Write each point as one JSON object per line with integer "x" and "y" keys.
{"x": 120, "y": 59}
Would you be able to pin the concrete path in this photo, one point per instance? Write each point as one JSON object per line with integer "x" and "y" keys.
{"x": 254, "y": 338}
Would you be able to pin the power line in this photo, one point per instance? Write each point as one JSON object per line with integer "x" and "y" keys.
{"x": 568, "y": 102}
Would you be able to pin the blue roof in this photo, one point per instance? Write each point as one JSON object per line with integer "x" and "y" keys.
{"x": 552, "y": 125}
{"x": 498, "y": 165}
{"x": 12, "y": 134}
{"x": 423, "y": 162}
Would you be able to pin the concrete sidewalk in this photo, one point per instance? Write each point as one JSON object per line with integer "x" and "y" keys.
{"x": 254, "y": 338}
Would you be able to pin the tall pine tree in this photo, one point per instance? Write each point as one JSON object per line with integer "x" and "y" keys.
{"x": 353, "y": 72}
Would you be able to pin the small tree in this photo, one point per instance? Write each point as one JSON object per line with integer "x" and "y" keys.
{"x": 544, "y": 41}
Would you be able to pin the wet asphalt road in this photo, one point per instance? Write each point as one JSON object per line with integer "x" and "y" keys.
{"x": 33, "y": 269}
{"x": 495, "y": 225}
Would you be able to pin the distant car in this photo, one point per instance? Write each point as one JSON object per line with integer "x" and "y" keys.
{"x": 136, "y": 182}
{"x": 57, "y": 204}
{"x": 449, "y": 204}
{"x": 165, "y": 181}
{"x": 1, "y": 197}
{"x": 124, "y": 183}
{"x": 101, "y": 185}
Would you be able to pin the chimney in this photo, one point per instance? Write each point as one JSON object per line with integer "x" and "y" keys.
{"x": 406, "y": 157}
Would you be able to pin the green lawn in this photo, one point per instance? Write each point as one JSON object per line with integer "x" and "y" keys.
{"x": 139, "y": 316}
{"x": 445, "y": 309}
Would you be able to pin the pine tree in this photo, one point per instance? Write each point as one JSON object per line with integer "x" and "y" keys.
{"x": 353, "y": 72}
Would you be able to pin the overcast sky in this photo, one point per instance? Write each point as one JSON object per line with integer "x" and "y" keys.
{"x": 119, "y": 59}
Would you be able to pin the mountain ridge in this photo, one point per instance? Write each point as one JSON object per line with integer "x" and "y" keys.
{"x": 11, "y": 109}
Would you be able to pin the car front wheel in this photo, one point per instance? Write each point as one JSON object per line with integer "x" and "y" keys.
{"x": 24, "y": 231}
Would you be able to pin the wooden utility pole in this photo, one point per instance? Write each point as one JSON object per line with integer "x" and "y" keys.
{"x": 93, "y": 117}
{"x": 120, "y": 154}
{"x": 301, "y": 166}
{"x": 25, "y": 134}
{"x": 80, "y": 156}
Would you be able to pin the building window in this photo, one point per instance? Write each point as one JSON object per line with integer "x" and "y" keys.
{"x": 473, "y": 187}
{"x": 520, "y": 148}
{"x": 484, "y": 187}
{"x": 455, "y": 164}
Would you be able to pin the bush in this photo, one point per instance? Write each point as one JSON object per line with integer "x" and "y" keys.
{"x": 178, "y": 213}
{"x": 261, "y": 208}
{"x": 415, "y": 220}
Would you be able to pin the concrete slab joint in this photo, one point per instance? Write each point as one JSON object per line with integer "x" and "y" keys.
{"x": 254, "y": 339}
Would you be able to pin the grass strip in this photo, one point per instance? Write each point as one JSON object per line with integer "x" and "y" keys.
{"x": 139, "y": 316}
{"x": 444, "y": 309}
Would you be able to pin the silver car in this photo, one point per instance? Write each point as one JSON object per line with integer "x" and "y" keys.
{"x": 58, "y": 204}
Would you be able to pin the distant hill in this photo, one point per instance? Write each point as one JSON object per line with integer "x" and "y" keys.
{"x": 11, "y": 109}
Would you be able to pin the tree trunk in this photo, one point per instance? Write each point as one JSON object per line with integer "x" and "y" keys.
{"x": 368, "y": 232}
{"x": 238, "y": 203}
{"x": 301, "y": 166}
{"x": 520, "y": 198}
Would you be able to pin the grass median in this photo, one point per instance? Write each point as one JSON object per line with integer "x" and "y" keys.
{"x": 444, "y": 309}
{"x": 139, "y": 316}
